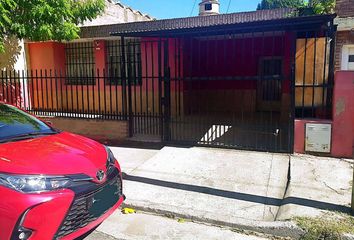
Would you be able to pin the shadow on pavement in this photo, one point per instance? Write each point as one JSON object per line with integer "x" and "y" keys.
{"x": 240, "y": 196}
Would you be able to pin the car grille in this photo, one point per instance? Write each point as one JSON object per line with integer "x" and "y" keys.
{"x": 80, "y": 215}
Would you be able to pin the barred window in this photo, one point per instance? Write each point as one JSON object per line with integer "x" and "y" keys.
{"x": 114, "y": 59}
{"x": 80, "y": 63}
{"x": 312, "y": 90}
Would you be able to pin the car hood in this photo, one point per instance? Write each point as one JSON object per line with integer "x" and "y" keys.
{"x": 60, "y": 154}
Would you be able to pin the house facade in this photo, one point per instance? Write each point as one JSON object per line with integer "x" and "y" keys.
{"x": 242, "y": 80}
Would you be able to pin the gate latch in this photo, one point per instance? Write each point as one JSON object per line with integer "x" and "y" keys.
{"x": 276, "y": 133}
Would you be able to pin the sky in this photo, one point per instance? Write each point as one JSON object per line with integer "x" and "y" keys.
{"x": 161, "y": 9}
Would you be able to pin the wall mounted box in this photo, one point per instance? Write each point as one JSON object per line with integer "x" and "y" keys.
{"x": 318, "y": 138}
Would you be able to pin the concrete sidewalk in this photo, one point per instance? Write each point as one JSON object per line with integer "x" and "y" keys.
{"x": 317, "y": 184}
{"x": 248, "y": 190}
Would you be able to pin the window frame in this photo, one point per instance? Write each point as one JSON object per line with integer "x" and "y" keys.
{"x": 345, "y": 56}
{"x": 208, "y": 7}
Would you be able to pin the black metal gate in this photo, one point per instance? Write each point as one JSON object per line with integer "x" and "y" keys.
{"x": 234, "y": 90}
{"x": 230, "y": 93}
{"x": 147, "y": 72}
{"x": 175, "y": 95}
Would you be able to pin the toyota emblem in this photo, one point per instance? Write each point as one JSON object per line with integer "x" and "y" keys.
{"x": 100, "y": 175}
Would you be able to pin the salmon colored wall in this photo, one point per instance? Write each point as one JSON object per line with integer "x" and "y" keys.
{"x": 343, "y": 118}
{"x": 46, "y": 59}
{"x": 100, "y": 54}
{"x": 47, "y": 55}
{"x": 101, "y": 96}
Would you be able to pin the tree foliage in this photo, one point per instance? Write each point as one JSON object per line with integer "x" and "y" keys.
{"x": 272, "y": 4}
{"x": 322, "y": 6}
{"x": 318, "y": 6}
{"x": 40, "y": 20}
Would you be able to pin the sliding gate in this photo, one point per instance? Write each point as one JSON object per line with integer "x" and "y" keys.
{"x": 210, "y": 91}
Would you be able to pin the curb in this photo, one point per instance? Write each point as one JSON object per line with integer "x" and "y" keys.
{"x": 280, "y": 228}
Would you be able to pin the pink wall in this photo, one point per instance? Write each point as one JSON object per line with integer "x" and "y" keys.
{"x": 343, "y": 114}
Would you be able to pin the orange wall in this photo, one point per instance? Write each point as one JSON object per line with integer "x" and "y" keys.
{"x": 47, "y": 55}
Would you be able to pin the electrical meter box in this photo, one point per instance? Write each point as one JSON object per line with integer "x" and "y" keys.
{"x": 318, "y": 137}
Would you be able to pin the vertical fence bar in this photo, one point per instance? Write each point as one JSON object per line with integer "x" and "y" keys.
{"x": 99, "y": 92}
{"x": 332, "y": 34}
{"x": 325, "y": 76}
{"x": 291, "y": 137}
{"x": 24, "y": 106}
{"x": 304, "y": 77}
{"x": 29, "y": 94}
{"x": 314, "y": 76}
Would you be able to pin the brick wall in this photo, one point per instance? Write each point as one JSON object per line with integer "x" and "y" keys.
{"x": 343, "y": 38}
{"x": 99, "y": 130}
{"x": 345, "y": 8}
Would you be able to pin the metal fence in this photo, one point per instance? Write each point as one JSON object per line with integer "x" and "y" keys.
{"x": 239, "y": 90}
{"x": 47, "y": 92}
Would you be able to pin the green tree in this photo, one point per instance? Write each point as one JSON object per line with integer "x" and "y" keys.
{"x": 322, "y": 6}
{"x": 317, "y": 6}
{"x": 272, "y": 4}
{"x": 39, "y": 20}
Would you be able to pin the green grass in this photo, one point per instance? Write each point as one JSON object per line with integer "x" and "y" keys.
{"x": 331, "y": 226}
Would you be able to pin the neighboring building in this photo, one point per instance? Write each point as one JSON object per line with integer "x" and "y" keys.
{"x": 115, "y": 13}
{"x": 344, "y": 56}
{"x": 14, "y": 57}
{"x": 209, "y": 7}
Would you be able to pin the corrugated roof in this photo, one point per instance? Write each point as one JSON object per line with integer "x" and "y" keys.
{"x": 261, "y": 18}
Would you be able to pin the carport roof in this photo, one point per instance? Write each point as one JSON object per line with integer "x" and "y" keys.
{"x": 262, "y": 18}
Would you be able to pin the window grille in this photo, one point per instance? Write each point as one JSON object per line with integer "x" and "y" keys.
{"x": 80, "y": 63}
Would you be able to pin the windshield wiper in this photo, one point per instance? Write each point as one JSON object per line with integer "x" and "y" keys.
{"x": 26, "y": 136}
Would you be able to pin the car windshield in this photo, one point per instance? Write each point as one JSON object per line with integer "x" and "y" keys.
{"x": 15, "y": 123}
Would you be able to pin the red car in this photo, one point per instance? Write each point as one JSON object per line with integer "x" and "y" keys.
{"x": 53, "y": 184}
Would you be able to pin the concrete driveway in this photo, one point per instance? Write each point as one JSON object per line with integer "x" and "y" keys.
{"x": 249, "y": 190}
{"x": 223, "y": 185}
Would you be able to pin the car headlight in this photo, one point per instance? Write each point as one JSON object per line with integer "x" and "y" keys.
{"x": 110, "y": 158}
{"x": 33, "y": 183}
